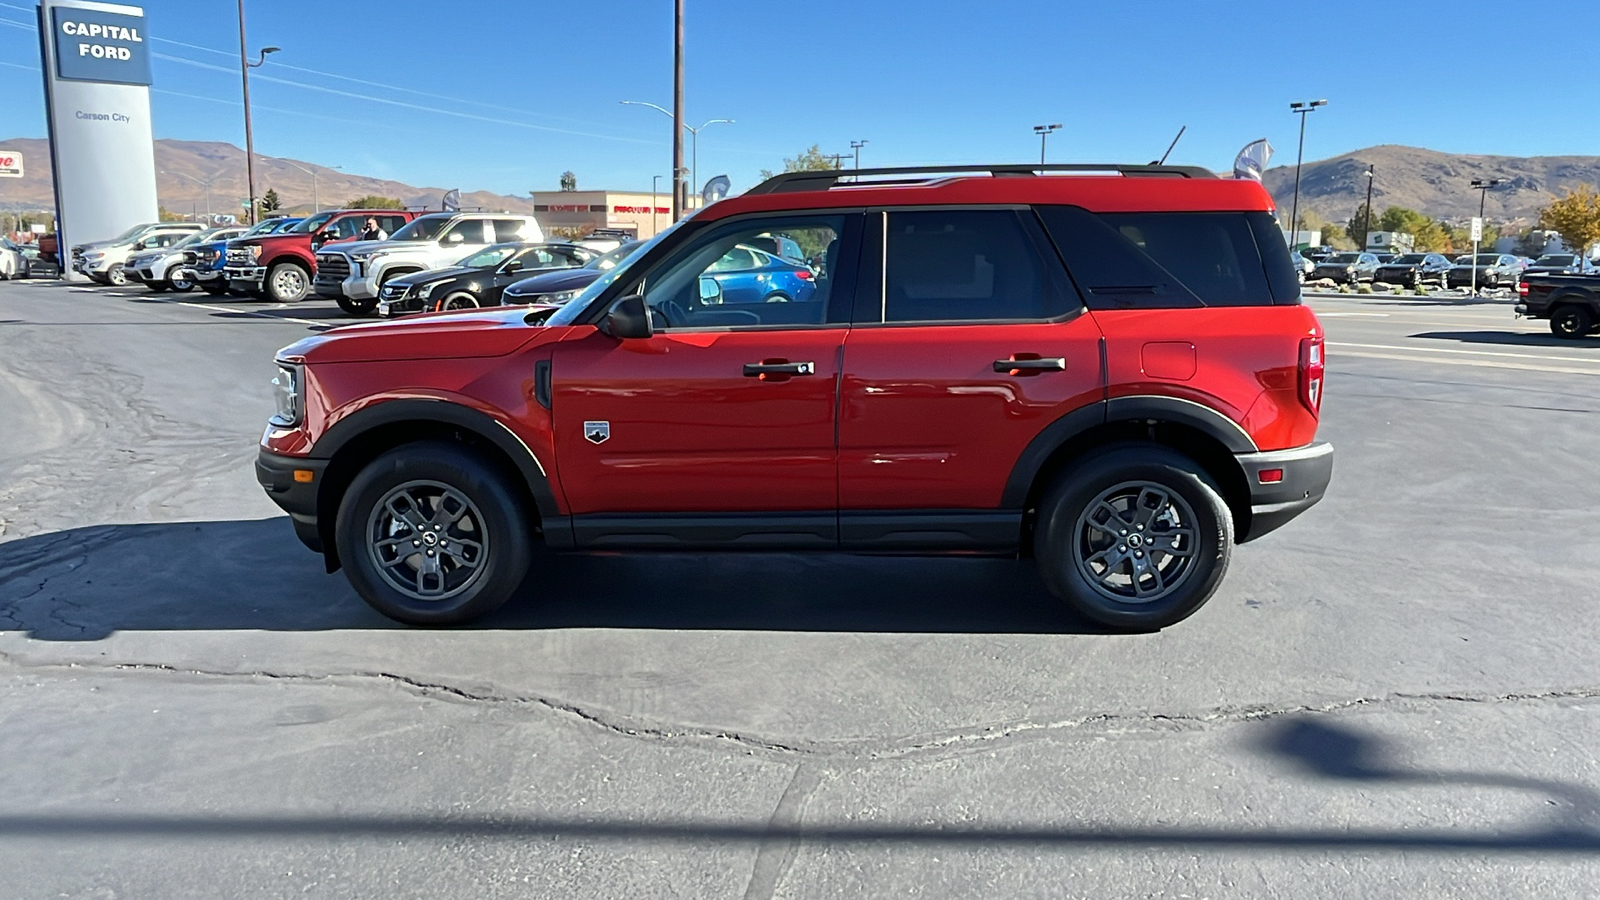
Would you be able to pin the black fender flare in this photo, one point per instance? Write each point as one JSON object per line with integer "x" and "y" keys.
{"x": 1137, "y": 408}
{"x": 432, "y": 411}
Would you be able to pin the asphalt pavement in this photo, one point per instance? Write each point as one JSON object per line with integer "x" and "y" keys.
{"x": 1395, "y": 695}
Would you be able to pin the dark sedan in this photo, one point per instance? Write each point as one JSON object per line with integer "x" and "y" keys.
{"x": 1346, "y": 268}
{"x": 1414, "y": 269}
{"x": 556, "y": 288}
{"x": 1561, "y": 264}
{"x": 1495, "y": 270}
{"x": 477, "y": 280}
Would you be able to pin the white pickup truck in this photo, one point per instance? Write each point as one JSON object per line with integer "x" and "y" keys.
{"x": 352, "y": 273}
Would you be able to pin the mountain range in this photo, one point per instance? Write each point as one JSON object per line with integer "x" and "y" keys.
{"x": 1431, "y": 182}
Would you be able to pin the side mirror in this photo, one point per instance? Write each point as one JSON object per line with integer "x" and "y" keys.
{"x": 514, "y": 266}
{"x": 454, "y": 237}
{"x": 710, "y": 290}
{"x": 628, "y": 319}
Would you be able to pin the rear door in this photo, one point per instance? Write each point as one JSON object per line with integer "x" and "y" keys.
{"x": 717, "y": 429}
{"x": 967, "y": 343}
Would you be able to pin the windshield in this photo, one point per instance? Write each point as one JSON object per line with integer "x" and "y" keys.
{"x": 1410, "y": 258}
{"x": 1344, "y": 258}
{"x": 424, "y": 229}
{"x": 630, "y": 254}
{"x": 199, "y": 237}
{"x": 127, "y": 235}
{"x": 489, "y": 256}
{"x": 1487, "y": 259}
{"x": 1553, "y": 261}
{"x": 311, "y": 225}
{"x": 265, "y": 226}
{"x": 610, "y": 260}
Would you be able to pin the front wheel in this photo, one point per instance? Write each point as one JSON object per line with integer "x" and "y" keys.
{"x": 156, "y": 286}
{"x": 1570, "y": 322}
{"x": 431, "y": 534}
{"x": 459, "y": 300}
{"x": 357, "y": 307}
{"x": 180, "y": 284}
{"x": 287, "y": 282}
{"x": 116, "y": 277}
{"x": 1135, "y": 536}
{"x": 215, "y": 288}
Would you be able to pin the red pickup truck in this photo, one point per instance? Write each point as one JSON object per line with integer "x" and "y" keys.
{"x": 281, "y": 266}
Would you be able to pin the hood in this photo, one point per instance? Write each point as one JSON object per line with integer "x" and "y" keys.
{"x": 265, "y": 239}
{"x": 553, "y": 282}
{"x": 495, "y": 331}
{"x": 431, "y": 275}
{"x": 351, "y": 247}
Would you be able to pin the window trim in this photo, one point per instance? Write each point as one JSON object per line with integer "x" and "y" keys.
{"x": 1049, "y": 260}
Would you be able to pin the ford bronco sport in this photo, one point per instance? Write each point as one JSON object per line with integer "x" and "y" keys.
{"x": 1110, "y": 373}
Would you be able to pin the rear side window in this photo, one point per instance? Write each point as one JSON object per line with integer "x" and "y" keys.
{"x": 965, "y": 265}
{"x": 507, "y": 230}
{"x": 1173, "y": 260}
{"x": 391, "y": 224}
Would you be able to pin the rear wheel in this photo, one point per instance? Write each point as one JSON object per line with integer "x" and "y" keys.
{"x": 431, "y": 534}
{"x": 1134, "y": 536}
{"x": 1570, "y": 322}
{"x": 287, "y": 282}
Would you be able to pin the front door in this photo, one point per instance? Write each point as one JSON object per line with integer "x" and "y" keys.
{"x": 976, "y": 342}
{"x": 718, "y": 428}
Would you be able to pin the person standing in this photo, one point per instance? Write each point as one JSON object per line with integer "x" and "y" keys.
{"x": 372, "y": 232}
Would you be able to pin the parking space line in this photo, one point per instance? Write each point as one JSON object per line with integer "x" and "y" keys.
{"x": 243, "y": 312}
{"x": 1472, "y": 363}
{"x": 1579, "y": 359}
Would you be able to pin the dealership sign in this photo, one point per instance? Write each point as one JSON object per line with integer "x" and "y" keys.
{"x": 99, "y": 45}
{"x": 10, "y": 164}
{"x": 640, "y": 209}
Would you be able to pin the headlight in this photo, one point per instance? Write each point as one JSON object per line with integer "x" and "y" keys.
{"x": 286, "y": 388}
{"x": 561, "y": 297}
{"x": 95, "y": 255}
{"x": 425, "y": 290}
{"x": 255, "y": 251}
{"x": 364, "y": 255}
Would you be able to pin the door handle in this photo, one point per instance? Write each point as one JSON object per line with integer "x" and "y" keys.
{"x": 1030, "y": 364}
{"x": 778, "y": 369}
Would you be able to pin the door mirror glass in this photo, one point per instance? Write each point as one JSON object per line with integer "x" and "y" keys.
{"x": 628, "y": 319}
{"x": 454, "y": 237}
{"x": 710, "y": 291}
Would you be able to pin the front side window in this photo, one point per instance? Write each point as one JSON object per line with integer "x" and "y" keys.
{"x": 424, "y": 228}
{"x": 719, "y": 281}
{"x": 489, "y": 256}
{"x": 348, "y": 227}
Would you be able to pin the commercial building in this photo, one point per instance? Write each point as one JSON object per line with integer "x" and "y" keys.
{"x": 639, "y": 214}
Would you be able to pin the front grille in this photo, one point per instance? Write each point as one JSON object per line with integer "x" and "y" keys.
{"x": 240, "y": 256}
{"x": 332, "y": 267}
{"x": 392, "y": 291}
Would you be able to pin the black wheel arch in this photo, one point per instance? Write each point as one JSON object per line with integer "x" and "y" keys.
{"x": 361, "y": 437}
{"x": 1208, "y": 437}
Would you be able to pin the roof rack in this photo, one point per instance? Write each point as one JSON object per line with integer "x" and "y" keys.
{"x": 828, "y": 178}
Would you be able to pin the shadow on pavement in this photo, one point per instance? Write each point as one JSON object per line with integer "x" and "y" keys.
{"x": 87, "y": 583}
{"x": 1317, "y": 748}
{"x": 1513, "y": 339}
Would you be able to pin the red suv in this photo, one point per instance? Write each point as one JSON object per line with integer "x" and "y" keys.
{"x": 1111, "y": 373}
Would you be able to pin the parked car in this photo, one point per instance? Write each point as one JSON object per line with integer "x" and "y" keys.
{"x": 13, "y": 264}
{"x": 107, "y": 264}
{"x": 747, "y": 275}
{"x": 1561, "y": 264}
{"x": 205, "y": 264}
{"x": 1570, "y": 302}
{"x": 1414, "y": 269}
{"x": 478, "y": 279}
{"x": 1495, "y": 270}
{"x": 163, "y": 269}
{"x": 281, "y": 265}
{"x": 1302, "y": 266}
{"x": 353, "y": 273}
{"x": 1051, "y": 368}
{"x": 78, "y": 251}
{"x": 1347, "y": 268}
{"x": 556, "y": 288}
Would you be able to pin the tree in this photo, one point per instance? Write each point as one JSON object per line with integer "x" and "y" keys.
{"x": 1429, "y": 234}
{"x": 1360, "y": 225}
{"x": 569, "y": 181}
{"x": 811, "y": 159}
{"x": 270, "y": 202}
{"x": 1576, "y": 217}
{"x": 165, "y": 215}
{"x": 373, "y": 201}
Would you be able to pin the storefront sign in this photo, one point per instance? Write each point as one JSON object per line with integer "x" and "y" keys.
{"x": 641, "y": 209}
{"x": 10, "y": 164}
{"x": 101, "y": 45}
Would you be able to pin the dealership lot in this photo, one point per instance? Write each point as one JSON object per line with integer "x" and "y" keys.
{"x": 1400, "y": 684}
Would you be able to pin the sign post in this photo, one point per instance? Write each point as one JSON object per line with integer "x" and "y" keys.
{"x": 97, "y": 103}
{"x": 1477, "y": 235}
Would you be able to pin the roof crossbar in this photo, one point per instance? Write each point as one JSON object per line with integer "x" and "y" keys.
{"x": 829, "y": 178}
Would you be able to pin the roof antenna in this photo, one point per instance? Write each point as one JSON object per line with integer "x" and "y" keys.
{"x": 1163, "y": 160}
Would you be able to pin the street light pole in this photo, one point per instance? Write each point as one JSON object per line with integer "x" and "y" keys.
{"x": 856, "y": 146}
{"x": 654, "y": 203}
{"x": 245, "y": 65}
{"x": 1043, "y": 131}
{"x": 1483, "y": 187}
{"x": 316, "y": 206}
{"x": 1300, "y": 109}
{"x": 678, "y": 194}
{"x": 1366, "y": 227}
{"x": 694, "y": 134}
{"x": 204, "y": 184}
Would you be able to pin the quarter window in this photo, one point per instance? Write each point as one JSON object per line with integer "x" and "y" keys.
{"x": 964, "y": 265}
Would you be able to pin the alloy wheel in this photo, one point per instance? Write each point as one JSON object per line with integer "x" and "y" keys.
{"x": 1135, "y": 542}
{"x": 427, "y": 540}
{"x": 288, "y": 282}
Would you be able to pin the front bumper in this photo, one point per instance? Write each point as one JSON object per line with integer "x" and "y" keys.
{"x": 1306, "y": 473}
{"x": 276, "y": 473}
{"x": 404, "y": 305}
{"x": 245, "y": 278}
{"x": 359, "y": 287}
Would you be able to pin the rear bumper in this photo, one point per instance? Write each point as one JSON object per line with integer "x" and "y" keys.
{"x": 276, "y": 473}
{"x": 1306, "y": 473}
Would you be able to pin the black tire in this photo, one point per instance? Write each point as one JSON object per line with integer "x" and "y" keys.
{"x": 776, "y": 297}
{"x": 179, "y": 284}
{"x": 115, "y": 276}
{"x": 1071, "y": 526}
{"x": 460, "y": 300}
{"x": 287, "y": 282}
{"x": 215, "y": 289}
{"x": 1571, "y": 322}
{"x": 157, "y": 286}
{"x": 492, "y": 508}
{"x": 357, "y": 307}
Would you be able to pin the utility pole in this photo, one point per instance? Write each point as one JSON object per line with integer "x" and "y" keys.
{"x": 1043, "y": 131}
{"x": 245, "y": 65}
{"x": 679, "y": 195}
{"x": 1366, "y": 227}
{"x": 856, "y": 146}
{"x": 655, "y": 225}
{"x": 1301, "y": 109}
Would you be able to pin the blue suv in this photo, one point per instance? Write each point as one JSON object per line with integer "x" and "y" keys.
{"x": 203, "y": 262}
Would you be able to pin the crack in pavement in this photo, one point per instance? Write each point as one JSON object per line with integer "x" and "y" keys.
{"x": 929, "y": 744}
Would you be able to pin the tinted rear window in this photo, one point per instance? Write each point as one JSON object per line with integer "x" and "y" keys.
{"x": 1165, "y": 260}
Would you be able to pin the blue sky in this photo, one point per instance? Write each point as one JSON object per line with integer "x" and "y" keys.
{"x": 506, "y": 94}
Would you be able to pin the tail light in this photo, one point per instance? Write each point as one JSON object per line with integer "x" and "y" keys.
{"x": 1522, "y": 288}
{"x": 803, "y": 274}
{"x": 1312, "y": 371}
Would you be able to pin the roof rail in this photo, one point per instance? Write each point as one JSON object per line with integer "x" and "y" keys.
{"x": 828, "y": 178}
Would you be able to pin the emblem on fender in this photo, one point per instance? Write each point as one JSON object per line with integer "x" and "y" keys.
{"x": 597, "y": 432}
